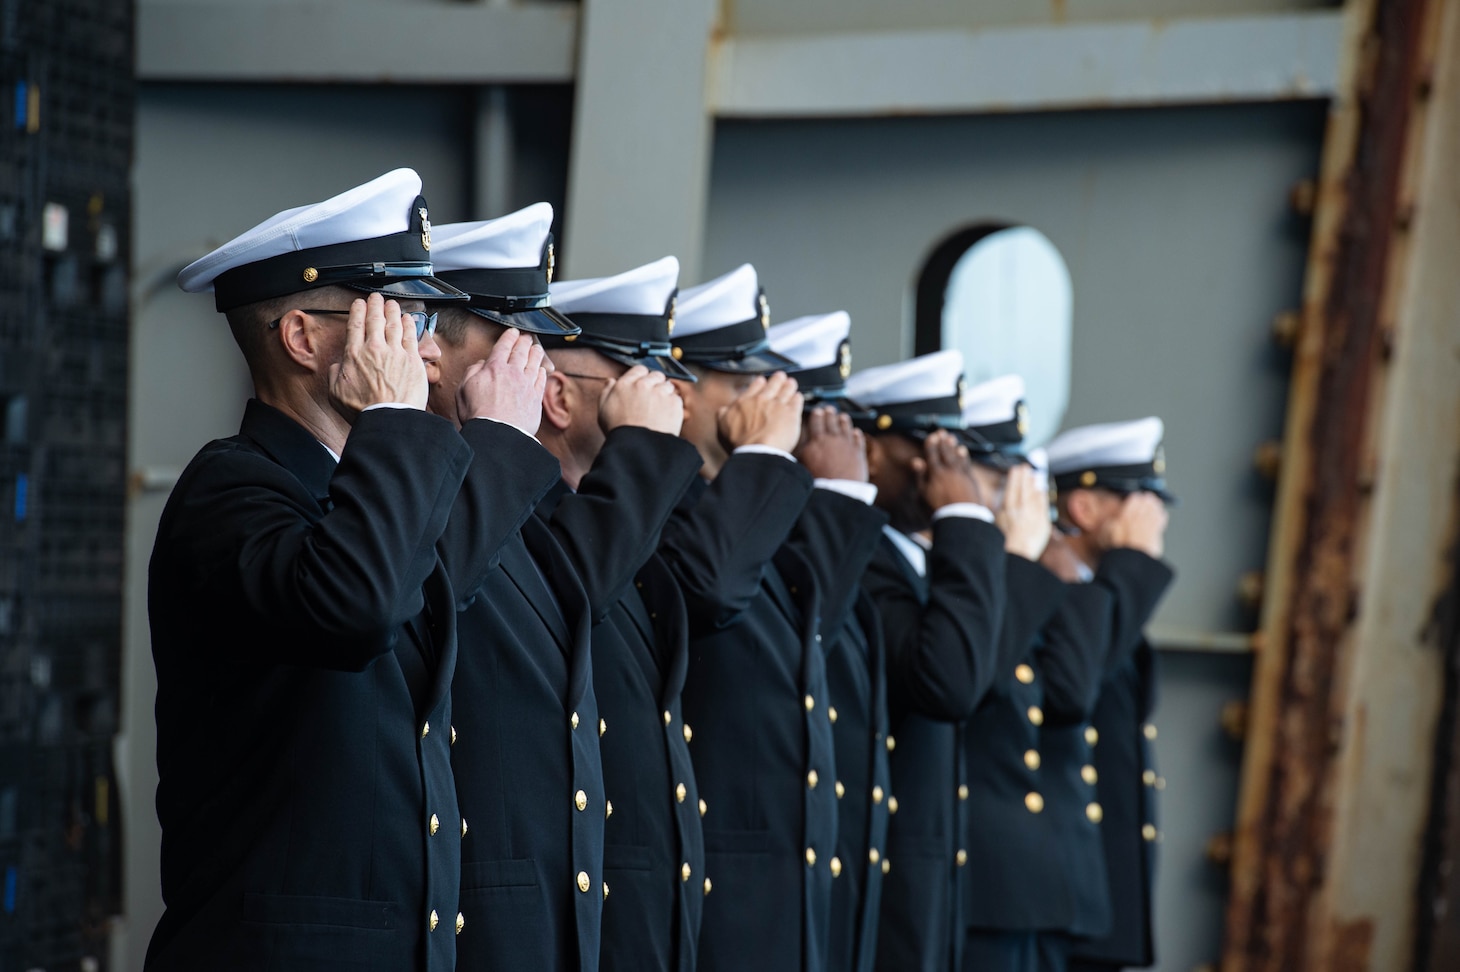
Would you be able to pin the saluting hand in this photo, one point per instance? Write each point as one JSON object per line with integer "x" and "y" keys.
{"x": 508, "y": 385}
{"x": 1024, "y": 517}
{"x": 642, "y": 398}
{"x": 1060, "y": 559}
{"x": 767, "y": 413}
{"x": 831, "y": 447}
{"x": 945, "y": 473}
{"x": 381, "y": 364}
{"x": 1140, "y": 524}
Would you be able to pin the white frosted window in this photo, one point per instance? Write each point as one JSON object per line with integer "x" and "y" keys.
{"x": 1008, "y": 308}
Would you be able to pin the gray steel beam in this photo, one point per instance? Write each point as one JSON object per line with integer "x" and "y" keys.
{"x": 1073, "y": 65}
{"x": 340, "y": 41}
{"x": 641, "y": 137}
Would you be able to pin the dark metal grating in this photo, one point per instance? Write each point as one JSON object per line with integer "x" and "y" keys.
{"x": 66, "y": 116}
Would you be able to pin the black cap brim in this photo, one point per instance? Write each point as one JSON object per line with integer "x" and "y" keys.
{"x": 755, "y": 363}
{"x": 1002, "y": 461}
{"x": 409, "y": 288}
{"x": 654, "y": 362}
{"x": 538, "y": 320}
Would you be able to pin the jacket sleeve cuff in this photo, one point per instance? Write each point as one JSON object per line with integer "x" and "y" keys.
{"x": 863, "y": 492}
{"x": 973, "y": 510}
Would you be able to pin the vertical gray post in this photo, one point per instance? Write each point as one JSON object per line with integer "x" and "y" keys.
{"x": 641, "y": 137}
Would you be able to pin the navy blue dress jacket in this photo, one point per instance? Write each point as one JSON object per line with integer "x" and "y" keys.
{"x": 611, "y": 528}
{"x": 941, "y": 632}
{"x": 304, "y": 632}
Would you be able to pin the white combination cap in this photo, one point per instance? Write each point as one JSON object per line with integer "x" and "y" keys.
{"x": 996, "y": 419}
{"x": 994, "y": 402}
{"x": 1125, "y": 457}
{"x": 505, "y": 266}
{"x": 627, "y": 317}
{"x": 374, "y": 238}
{"x": 726, "y": 300}
{"x": 513, "y": 241}
{"x": 814, "y": 341}
{"x": 921, "y": 394}
{"x": 926, "y": 378}
{"x": 821, "y": 346}
{"x": 722, "y": 325}
{"x": 644, "y": 290}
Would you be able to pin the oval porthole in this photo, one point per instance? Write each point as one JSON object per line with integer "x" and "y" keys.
{"x": 1002, "y": 296}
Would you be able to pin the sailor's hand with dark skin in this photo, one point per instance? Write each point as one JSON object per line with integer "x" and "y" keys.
{"x": 643, "y": 398}
{"x": 381, "y": 364}
{"x": 508, "y": 385}
{"x": 1140, "y": 525}
{"x": 945, "y": 473}
{"x": 831, "y": 447}
{"x": 1024, "y": 515}
{"x": 767, "y": 413}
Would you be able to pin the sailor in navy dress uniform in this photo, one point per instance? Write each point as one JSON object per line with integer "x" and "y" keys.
{"x": 620, "y": 483}
{"x": 941, "y": 607}
{"x": 302, "y": 621}
{"x": 526, "y": 754}
{"x": 1048, "y": 673}
{"x": 852, "y": 637}
{"x": 1102, "y": 472}
{"x": 756, "y": 693}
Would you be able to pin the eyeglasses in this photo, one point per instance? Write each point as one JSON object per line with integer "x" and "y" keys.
{"x": 570, "y": 374}
{"x": 425, "y": 323}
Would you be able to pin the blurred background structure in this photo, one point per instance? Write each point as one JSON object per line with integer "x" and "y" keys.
{"x": 1241, "y": 215}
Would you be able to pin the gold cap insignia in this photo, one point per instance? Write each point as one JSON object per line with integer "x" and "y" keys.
{"x": 884, "y": 421}
{"x": 1159, "y": 462}
{"x": 962, "y": 391}
{"x": 673, "y": 306}
{"x": 765, "y": 312}
{"x": 425, "y": 228}
{"x": 1087, "y": 478}
{"x": 552, "y": 262}
{"x": 310, "y": 275}
{"x": 1021, "y": 417}
{"x": 676, "y": 352}
{"x": 844, "y": 359}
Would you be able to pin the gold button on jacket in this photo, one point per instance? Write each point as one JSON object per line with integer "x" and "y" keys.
{"x": 580, "y": 800}
{"x": 1024, "y": 674}
{"x": 583, "y": 882}
{"x": 1034, "y": 802}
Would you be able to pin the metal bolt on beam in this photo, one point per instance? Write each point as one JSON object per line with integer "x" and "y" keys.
{"x": 1234, "y": 720}
{"x": 1286, "y": 328}
{"x": 1303, "y": 196}
{"x": 1267, "y": 459}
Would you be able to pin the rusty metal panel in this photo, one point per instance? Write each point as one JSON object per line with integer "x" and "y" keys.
{"x": 1346, "y": 698}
